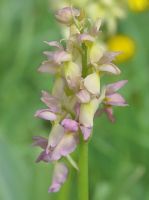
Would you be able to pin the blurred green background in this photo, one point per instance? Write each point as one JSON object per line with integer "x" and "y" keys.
{"x": 118, "y": 162}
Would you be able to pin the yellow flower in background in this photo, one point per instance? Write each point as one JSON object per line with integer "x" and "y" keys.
{"x": 122, "y": 43}
{"x": 138, "y": 5}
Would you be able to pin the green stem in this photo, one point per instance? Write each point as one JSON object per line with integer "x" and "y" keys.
{"x": 84, "y": 61}
{"x": 83, "y": 153}
{"x": 83, "y": 171}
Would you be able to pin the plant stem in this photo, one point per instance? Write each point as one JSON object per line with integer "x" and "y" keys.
{"x": 83, "y": 171}
{"x": 84, "y": 61}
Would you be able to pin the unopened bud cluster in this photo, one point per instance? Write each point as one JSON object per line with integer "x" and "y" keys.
{"x": 77, "y": 95}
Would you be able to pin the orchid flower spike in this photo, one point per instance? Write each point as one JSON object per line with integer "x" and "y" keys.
{"x": 77, "y": 94}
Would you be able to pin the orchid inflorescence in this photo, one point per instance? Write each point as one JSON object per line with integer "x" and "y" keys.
{"x": 76, "y": 97}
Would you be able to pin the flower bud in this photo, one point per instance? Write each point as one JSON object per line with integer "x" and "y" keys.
{"x": 66, "y": 15}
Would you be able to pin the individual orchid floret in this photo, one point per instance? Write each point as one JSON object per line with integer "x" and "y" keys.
{"x": 60, "y": 174}
{"x": 67, "y": 15}
{"x": 54, "y": 59}
{"x": 53, "y": 104}
{"x": 60, "y": 143}
{"x": 104, "y": 64}
{"x": 112, "y": 98}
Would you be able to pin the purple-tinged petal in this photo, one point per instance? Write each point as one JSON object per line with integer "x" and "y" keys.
{"x": 46, "y": 114}
{"x": 86, "y": 131}
{"x": 95, "y": 29}
{"x": 58, "y": 57}
{"x": 111, "y": 88}
{"x": 48, "y": 67}
{"x": 109, "y": 68}
{"x": 109, "y": 111}
{"x": 115, "y": 100}
{"x": 51, "y": 101}
{"x": 44, "y": 156}
{"x": 85, "y": 37}
{"x": 54, "y": 44}
{"x": 83, "y": 96}
{"x": 70, "y": 125}
{"x": 108, "y": 57}
{"x": 40, "y": 141}
{"x": 59, "y": 177}
{"x": 66, "y": 146}
{"x": 66, "y": 15}
{"x": 55, "y": 136}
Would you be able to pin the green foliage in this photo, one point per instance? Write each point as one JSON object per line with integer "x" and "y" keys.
{"x": 119, "y": 167}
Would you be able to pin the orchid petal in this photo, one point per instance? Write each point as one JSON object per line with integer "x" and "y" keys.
{"x": 58, "y": 57}
{"x": 86, "y": 131}
{"x": 72, "y": 73}
{"x": 85, "y": 37}
{"x": 44, "y": 156}
{"x": 46, "y": 114}
{"x": 108, "y": 57}
{"x": 116, "y": 100}
{"x": 59, "y": 177}
{"x": 109, "y": 68}
{"x": 40, "y": 141}
{"x": 83, "y": 96}
{"x": 111, "y": 88}
{"x": 55, "y": 136}
{"x": 96, "y": 27}
{"x": 109, "y": 111}
{"x": 54, "y": 44}
{"x": 92, "y": 83}
{"x": 48, "y": 67}
{"x": 70, "y": 125}
{"x": 51, "y": 101}
{"x": 67, "y": 145}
